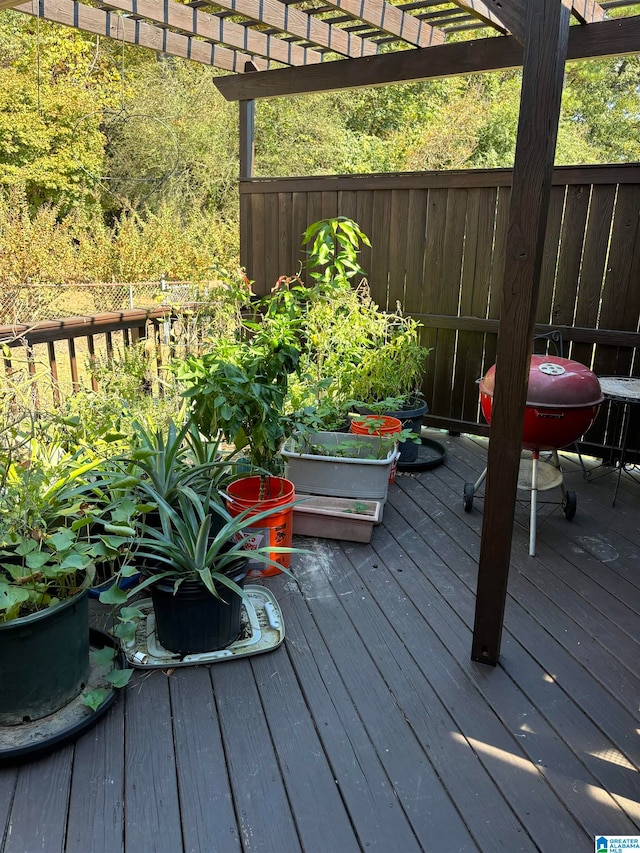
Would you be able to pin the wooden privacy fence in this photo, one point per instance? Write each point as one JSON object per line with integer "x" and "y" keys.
{"x": 438, "y": 247}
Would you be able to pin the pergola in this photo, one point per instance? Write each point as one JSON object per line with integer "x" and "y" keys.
{"x": 314, "y": 46}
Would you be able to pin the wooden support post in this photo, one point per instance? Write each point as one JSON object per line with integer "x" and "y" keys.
{"x": 91, "y": 346}
{"x": 73, "y": 364}
{"x": 247, "y": 155}
{"x": 247, "y": 145}
{"x": 547, "y": 34}
{"x": 109, "y": 345}
{"x": 247, "y": 131}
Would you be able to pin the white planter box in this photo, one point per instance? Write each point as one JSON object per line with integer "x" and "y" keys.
{"x": 356, "y": 477}
{"x": 336, "y": 518}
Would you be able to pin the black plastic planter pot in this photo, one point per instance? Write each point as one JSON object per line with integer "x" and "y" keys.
{"x": 193, "y": 620}
{"x": 44, "y": 660}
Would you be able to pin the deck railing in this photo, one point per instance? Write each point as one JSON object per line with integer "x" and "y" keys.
{"x": 63, "y": 353}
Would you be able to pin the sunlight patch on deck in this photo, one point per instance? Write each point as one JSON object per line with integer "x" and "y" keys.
{"x": 495, "y": 752}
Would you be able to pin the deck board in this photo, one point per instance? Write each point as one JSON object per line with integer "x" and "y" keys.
{"x": 322, "y": 820}
{"x": 431, "y": 690}
{"x": 519, "y": 712}
{"x": 378, "y": 817}
{"x": 371, "y": 729}
{"x": 557, "y": 656}
{"x": 151, "y": 788}
{"x": 206, "y": 803}
{"x": 264, "y": 817}
{"x": 38, "y": 814}
{"x": 96, "y": 803}
{"x": 431, "y": 812}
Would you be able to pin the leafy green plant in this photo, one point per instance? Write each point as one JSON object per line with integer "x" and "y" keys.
{"x": 349, "y": 447}
{"x": 333, "y": 254}
{"x": 394, "y": 365}
{"x": 114, "y": 676}
{"x": 57, "y": 522}
{"x": 62, "y": 518}
{"x": 353, "y": 350}
{"x": 374, "y": 425}
{"x": 360, "y": 508}
{"x": 238, "y": 390}
{"x": 172, "y": 459}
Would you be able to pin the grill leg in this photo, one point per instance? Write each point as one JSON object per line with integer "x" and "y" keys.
{"x": 534, "y": 503}
{"x": 480, "y": 481}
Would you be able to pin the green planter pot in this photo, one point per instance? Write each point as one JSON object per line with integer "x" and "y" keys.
{"x": 44, "y": 660}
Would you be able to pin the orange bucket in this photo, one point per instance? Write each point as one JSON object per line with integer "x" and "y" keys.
{"x": 276, "y": 530}
{"x": 378, "y": 425}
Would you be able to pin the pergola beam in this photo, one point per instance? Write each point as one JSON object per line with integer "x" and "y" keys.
{"x": 388, "y": 18}
{"x": 285, "y": 18}
{"x": 616, "y": 37}
{"x": 208, "y": 26}
{"x": 71, "y": 13}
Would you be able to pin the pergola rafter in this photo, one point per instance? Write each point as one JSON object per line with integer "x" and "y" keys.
{"x": 482, "y": 11}
{"x": 276, "y": 34}
{"x": 102, "y": 22}
{"x": 216, "y": 29}
{"x": 392, "y": 20}
{"x": 285, "y": 18}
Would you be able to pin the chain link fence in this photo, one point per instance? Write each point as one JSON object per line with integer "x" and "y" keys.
{"x": 31, "y": 303}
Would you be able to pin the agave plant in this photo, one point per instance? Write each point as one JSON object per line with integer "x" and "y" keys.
{"x": 186, "y": 545}
{"x": 171, "y": 459}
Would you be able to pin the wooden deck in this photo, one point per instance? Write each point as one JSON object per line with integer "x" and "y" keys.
{"x": 370, "y": 728}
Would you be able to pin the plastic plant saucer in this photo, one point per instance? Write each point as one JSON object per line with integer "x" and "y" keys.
{"x": 430, "y": 454}
{"x": 262, "y": 631}
{"x": 32, "y": 739}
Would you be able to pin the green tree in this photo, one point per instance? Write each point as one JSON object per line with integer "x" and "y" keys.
{"x": 602, "y": 98}
{"x": 174, "y": 142}
{"x": 49, "y": 79}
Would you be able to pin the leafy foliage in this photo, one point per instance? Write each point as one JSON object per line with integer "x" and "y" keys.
{"x": 239, "y": 390}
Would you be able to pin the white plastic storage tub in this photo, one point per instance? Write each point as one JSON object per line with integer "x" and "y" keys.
{"x": 319, "y": 465}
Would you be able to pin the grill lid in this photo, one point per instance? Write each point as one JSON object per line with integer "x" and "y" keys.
{"x": 554, "y": 382}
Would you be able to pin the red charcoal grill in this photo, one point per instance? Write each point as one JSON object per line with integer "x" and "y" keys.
{"x": 563, "y": 398}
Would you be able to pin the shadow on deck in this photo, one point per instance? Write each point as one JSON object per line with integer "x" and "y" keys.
{"x": 370, "y": 728}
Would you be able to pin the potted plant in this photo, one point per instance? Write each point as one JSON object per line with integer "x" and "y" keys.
{"x": 195, "y": 571}
{"x": 354, "y": 350}
{"x": 172, "y": 458}
{"x": 388, "y": 377}
{"x": 238, "y": 391}
{"x": 48, "y": 553}
{"x": 341, "y": 465}
{"x": 329, "y": 517}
